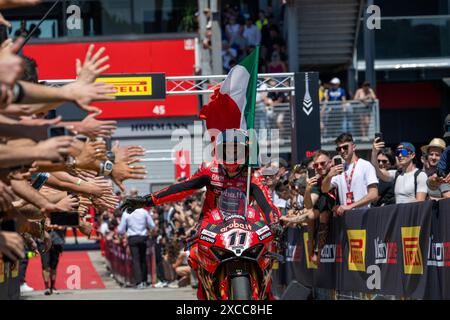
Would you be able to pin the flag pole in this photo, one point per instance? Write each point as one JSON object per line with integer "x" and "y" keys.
{"x": 249, "y": 171}
{"x": 251, "y": 130}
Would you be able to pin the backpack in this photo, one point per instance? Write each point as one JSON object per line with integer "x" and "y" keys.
{"x": 416, "y": 174}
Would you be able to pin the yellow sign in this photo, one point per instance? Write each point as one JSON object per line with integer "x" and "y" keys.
{"x": 309, "y": 263}
{"x": 129, "y": 85}
{"x": 2, "y": 270}
{"x": 412, "y": 255}
{"x": 15, "y": 269}
{"x": 356, "y": 250}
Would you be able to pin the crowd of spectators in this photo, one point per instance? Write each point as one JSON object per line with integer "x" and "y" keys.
{"x": 168, "y": 228}
{"x": 243, "y": 31}
{"x": 51, "y": 170}
{"x": 308, "y": 194}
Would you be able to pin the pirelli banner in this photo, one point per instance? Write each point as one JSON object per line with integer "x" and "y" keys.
{"x": 401, "y": 250}
{"x": 149, "y": 86}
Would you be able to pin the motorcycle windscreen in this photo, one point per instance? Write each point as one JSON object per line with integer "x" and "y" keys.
{"x": 232, "y": 202}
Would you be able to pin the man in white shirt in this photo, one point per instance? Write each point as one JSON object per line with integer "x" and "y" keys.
{"x": 355, "y": 179}
{"x": 136, "y": 225}
{"x": 410, "y": 184}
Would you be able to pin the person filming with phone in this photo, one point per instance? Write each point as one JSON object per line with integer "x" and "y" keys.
{"x": 355, "y": 178}
{"x": 410, "y": 183}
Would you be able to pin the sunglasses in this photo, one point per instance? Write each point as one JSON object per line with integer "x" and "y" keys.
{"x": 320, "y": 164}
{"x": 383, "y": 161}
{"x": 343, "y": 147}
{"x": 402, "y": 152}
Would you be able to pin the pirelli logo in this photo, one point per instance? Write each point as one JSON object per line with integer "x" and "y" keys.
{"x": 412, "y": 255}
{"x": 357, "y": 250}
{"x": 137, "y": 86}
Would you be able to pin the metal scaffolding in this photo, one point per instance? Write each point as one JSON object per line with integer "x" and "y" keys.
{"x": 183, "y": 85}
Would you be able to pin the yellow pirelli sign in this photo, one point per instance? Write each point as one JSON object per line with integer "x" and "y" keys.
{"x": 356, "y": 250}
{"x": 137, "y": 86}
{"x": 412, "y": 254}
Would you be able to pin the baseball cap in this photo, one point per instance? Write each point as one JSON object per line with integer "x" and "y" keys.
{"x": 436, "y": 142}
{"x": 335, "y": 81}
{"x": 408, "y": 146}
{"x": 447, "y": 126}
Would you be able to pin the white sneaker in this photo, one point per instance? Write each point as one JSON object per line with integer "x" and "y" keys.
{"x": 173, "y": 284}
{"x": 160, "y": 284}
{"x": 25, "y": 288}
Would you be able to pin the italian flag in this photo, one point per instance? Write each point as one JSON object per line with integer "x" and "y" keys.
{"x": 232, "y": 106}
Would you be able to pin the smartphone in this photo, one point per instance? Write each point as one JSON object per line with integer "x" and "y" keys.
{"x": 51, "y": 114}
{"x": 311, "y": 173}
{"x": 39, "y": 180}
{"x": 440, "y": 174}
{"x": 337, "y": 161}
{"x": 69, "y": 219}
{"x": 57, "y": 131}
{"x": 8, "y": 225}
{"x": 379, "y": 136}
{"x": 3, "y": 33}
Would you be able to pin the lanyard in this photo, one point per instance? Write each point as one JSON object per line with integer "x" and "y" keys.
{"x": 349, "y": 180}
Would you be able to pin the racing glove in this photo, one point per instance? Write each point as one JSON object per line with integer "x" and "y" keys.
{"x": 276, "y": 229}
{"x": 131, "y": 204}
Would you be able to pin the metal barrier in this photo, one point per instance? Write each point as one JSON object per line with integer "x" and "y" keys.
{"x": 360, "y": 119}
{"x": 120, "y": 265}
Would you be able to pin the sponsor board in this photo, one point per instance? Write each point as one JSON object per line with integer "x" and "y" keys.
{"x": 385, "y": 252}
{"x": 309, "y": 263}
{"x": 150, "y": 86}
{"x": 412, "y": 254}
{"x": 331, "y": 253}
{"x": 438, "y": 253}
{"x": 356, "y": 250}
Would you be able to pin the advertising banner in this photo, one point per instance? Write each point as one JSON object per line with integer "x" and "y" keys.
{"x": 401, "y": 250}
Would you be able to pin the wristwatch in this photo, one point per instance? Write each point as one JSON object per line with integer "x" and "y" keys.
{"x": 106, "y": 168}
{"x": 111, "y": 156}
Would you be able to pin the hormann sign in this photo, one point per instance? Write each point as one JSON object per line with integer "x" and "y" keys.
{"x": 150, "y": 86}
{"x": 153, "y": 127}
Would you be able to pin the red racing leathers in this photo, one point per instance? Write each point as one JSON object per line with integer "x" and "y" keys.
{"x": 215, "y": 179}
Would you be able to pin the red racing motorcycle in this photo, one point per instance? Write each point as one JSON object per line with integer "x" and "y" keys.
{"x": 234, "y": 251}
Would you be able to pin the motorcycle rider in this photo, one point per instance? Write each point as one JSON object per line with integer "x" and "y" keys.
{"x": 228, "y": 169}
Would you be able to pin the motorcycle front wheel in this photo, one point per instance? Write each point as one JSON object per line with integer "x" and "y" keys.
{"x": 240, "y": 288}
